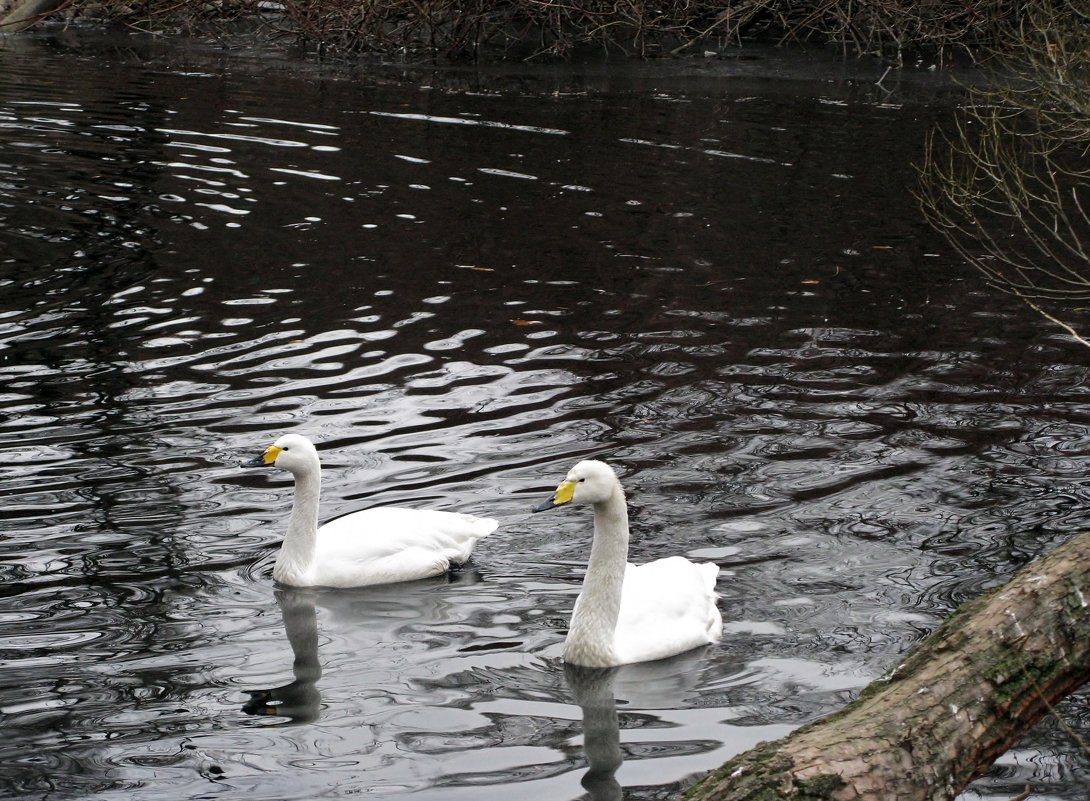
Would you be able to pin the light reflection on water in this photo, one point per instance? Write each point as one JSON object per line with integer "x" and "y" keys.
{"x": 457, "y": 295}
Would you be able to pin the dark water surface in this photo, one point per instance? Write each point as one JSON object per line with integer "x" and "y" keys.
{"x": 459, "y": 284}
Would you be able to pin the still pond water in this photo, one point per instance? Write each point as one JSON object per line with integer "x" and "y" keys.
{"x": 458, "y": 284}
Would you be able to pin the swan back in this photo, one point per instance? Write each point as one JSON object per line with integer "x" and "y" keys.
{"x": 668, "y": 606}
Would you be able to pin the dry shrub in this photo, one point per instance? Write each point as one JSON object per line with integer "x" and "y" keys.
{"x": 1009, "y": 186}
{"x": 561, "y": 27}
{"x": 544, "y": 28}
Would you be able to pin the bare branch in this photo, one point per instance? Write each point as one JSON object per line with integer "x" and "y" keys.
{"x": 1006, "y": 186}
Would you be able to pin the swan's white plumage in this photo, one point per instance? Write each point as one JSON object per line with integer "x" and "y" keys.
{"x": 376, "y": 546}
{"x": 632, "y": 613}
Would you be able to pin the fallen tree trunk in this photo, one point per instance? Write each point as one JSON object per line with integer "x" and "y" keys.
{"x": 961, "y": 698}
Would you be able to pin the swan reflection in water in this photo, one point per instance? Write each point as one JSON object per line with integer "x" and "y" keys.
{"x": 374, "y": 615}
{"x": 592, "y": 690}
{"x": 299, "y": 700}
{"x": 646, "y": 685}
{"x": 371, "y": 613}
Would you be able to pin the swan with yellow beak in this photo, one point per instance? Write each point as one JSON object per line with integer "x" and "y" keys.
{"x": 381, "y": 545}
{"x": 631, "y": 613}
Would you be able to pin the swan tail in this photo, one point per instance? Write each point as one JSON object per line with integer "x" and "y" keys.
{"x": 709, "y": 573}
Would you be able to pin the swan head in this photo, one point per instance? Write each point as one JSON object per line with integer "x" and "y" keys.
{"x": 590, "y": 481}
{"x": 291, "y": 452}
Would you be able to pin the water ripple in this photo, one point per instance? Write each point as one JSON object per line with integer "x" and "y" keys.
{"x": 859, "y": 435}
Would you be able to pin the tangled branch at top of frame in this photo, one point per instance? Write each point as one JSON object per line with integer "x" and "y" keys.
{"x": 893, "y": 29}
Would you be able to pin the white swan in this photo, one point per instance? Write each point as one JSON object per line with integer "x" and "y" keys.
{"x": 628, "y": 613}
{"x": 376, "y": 546}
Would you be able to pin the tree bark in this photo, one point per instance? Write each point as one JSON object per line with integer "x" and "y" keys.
{"x": 18, "y": 15}
{"x": 961, "y": 698}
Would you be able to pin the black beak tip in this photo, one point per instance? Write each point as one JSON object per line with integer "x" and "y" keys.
{"x": 544, "y": 507}
{"x": 258, "y": 462}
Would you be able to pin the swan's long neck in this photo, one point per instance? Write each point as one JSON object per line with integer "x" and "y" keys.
{"x": 297, "y": 552}
{"x": 594, "y": 622}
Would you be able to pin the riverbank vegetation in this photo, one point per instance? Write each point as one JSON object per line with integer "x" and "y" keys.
{"x": 893, "y": 29}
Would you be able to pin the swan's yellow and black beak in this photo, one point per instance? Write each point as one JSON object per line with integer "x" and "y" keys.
{"x": 562, "y": 496}
{"x": 266, "y": 459}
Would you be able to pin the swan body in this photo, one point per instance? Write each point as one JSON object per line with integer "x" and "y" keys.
{"x": 382, "y": 545}
{"x": 631, "y": 613}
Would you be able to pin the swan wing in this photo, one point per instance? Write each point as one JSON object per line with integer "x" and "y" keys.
{"x": 667, "y": 607}
{"x": 388, "y": 544}
{"x": 408, "y": 564}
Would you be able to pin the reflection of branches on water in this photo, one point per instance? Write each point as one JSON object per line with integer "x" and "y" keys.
{"x": 1008, "y": 187}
